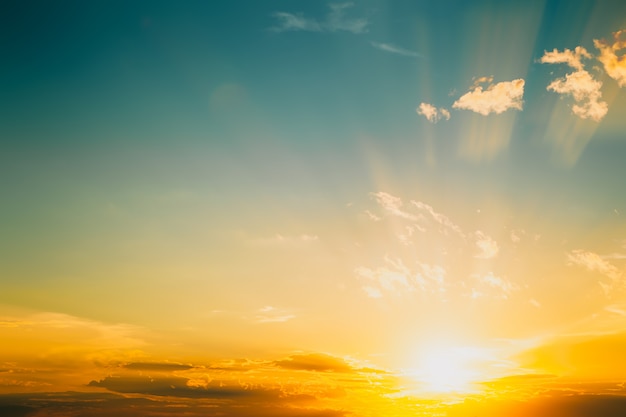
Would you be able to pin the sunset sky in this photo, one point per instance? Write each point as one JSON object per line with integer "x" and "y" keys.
{"x": 307, "y": 208}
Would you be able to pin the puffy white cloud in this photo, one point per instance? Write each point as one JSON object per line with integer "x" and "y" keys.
{"x": 614, "y": 66}
{"x": 580, "y": 84}
{"x": 488, "y": 248}
{"x": 586, "y": 93}
{"x": 432, "y": 113}
{"x": 496, "y": 98}
{"x": 569, "y": 57}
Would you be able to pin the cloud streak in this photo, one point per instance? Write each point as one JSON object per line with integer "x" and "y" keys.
{"x": 395, "y": 49}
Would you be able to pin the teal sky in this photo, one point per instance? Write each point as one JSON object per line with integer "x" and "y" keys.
{"x": 142, "y": 142}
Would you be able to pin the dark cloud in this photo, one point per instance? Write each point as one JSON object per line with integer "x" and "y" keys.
{"x": 177, "y": 387}
{"x": 314, "y": 362}
{"x": 552, "y": 404}
{"x": 16, "y": 410}
{"x": 157, "y": 366}
{"x": 81, "y": 404}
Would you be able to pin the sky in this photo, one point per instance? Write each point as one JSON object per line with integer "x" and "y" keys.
{"x": 311, "y": 208}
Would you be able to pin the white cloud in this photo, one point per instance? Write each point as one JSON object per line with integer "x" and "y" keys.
{"x": 440, "y": 218}
{"x": 569, "y": 57}
{"x": 586, "y": 93}
{"x": 580, "y": 84}
{"x": 398, "y": 279}
{"x": 335, "y": 21}
{"x": 487, "y": 246}
{"x": 372, "y": 216}
{"x": 294, "y": 22}
{"x": 392, "y": 204}
{"x": 504, "y": 287}
{"x": 392, "y": 279}
{"x": 497, "y": 98}
{"x": 395, "y": 49}
{"x": 372, "y": 292}
{"x": 614, "y": 66}
{"x": 432, "y": 275}
{"x": 516, "y": 235}
{"x": 432, "y": 113}
{"x": 593, "y": 262}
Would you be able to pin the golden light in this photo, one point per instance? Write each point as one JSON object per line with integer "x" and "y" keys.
{"x": 448, "y": 369}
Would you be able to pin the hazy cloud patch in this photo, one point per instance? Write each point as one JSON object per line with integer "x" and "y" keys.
{"x": 392, "y": 204}
{"x": 336, "y": 21}
{"x": 318, "y": 362}
{"x": 503, "y": 287}
{"x": 269, "y": 314}
{"x": 595, "y": 263}
{"x": 157, "y": 366}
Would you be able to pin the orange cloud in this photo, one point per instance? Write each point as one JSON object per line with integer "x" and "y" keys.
{"x": 614, "y": 66}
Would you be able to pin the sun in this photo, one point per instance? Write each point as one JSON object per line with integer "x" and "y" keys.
{"x": 446, "y": 370}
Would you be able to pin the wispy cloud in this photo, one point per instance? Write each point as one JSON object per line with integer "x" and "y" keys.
{"x": 281, "y": 239}
{"x": 294, "y": 22}
{"x": 269, "y": 314}
{"x": 440, "y": 218}
{"x": 488, "y": 248}
{"x": 387, "y": 47}
{"x": 335, "y": 21}
{"x": 396, "y": 278}
{"x": 614, "y": 66}
{"x": 594, "y": 262}
{"x": 392, "y": 204}
{"x": 496, "y": 98}
{"x": 432, "y": 113}
{"x": 490, "y": 281}
{"x": 393, "y": 278}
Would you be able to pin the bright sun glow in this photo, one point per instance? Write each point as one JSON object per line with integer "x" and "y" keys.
{"x": 447, "y": 370}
